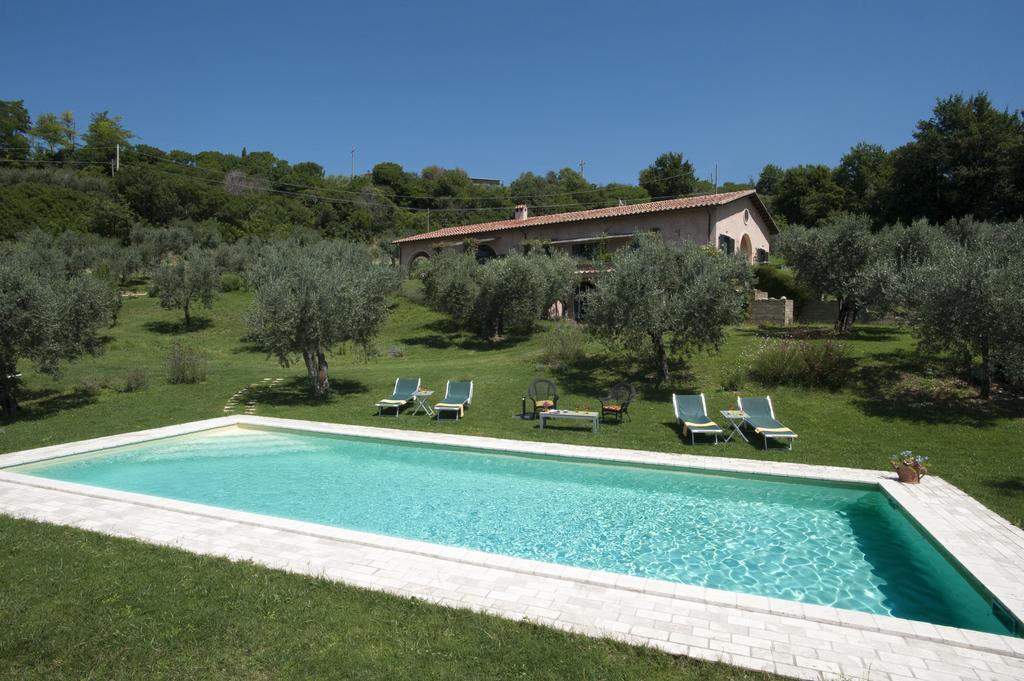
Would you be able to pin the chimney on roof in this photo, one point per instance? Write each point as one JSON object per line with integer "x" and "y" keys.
{"x": 522, "y": 211}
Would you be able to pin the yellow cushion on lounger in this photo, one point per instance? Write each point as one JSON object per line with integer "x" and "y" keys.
{"x": 545, "y": 403}
{"x": 707, "y": 424}
{"x": 443, "y": 405}
{"x": 776, "y": 431}
{"x": 390, "y": 401}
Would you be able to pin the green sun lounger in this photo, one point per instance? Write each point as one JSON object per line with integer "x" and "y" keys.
{"x": 457, "y": 396}
{"x": 760, "y": 416}
{"x": 692, "y": 412}
{"x": 401, "y": 396}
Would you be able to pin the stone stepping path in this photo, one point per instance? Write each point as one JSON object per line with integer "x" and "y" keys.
{"x": 247, "y": 397}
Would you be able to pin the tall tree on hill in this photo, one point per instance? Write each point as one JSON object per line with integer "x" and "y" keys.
{"x": 15, "y": 125}
{"x": 967, "y": 159}
{"x": 669, "y": 176}
{"x": 51, "y": 130}
{"x": 104, "y": 134}
{"x": 769, "y": 180}
{"x": 806, "y": 195}
{"x": 865, "y": 173}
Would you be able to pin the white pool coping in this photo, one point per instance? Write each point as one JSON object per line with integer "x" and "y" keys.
{"x": 757, "y": 632}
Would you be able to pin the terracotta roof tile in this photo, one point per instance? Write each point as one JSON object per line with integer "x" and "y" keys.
{"x": 596, "y": 214}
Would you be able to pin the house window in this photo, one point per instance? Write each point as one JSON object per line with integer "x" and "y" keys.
{"x": 726, "y": 244}
{"x": 762, "y": 256}
{"x": 583, "y": 251}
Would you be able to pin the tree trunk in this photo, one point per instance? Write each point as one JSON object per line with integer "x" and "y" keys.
{"x": 847, "y": 313}
{"x": 188, "y": 320}
{"x": 660, "y": 356}
{"x": 985, "y": 378}
{"x": 8, "y": 392}
{"x": 316, "y": 369}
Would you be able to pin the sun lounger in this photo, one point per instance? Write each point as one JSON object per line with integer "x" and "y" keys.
{"x": 692, "y": 412}
{"x": 760, "y": 416}
{"x": 401, "y": 396}
{"x": 457, "y": 396}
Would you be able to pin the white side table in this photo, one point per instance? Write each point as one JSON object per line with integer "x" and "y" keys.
{"x": 735, "y": 418}
{"x": 419, "y": 398}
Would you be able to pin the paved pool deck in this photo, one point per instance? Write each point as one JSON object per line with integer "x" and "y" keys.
{"x": 756, "y": 632}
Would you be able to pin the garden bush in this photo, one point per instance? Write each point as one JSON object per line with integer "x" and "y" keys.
{"x": 780, "y": 283}
{"x": 185, "y": 364}
{"x": 135, "y": 381}
{"x": 564, "y": 345}
{"x": 784, "y": 361}
{"x": 733, "y": 377}
{"x": 229, "y": 281}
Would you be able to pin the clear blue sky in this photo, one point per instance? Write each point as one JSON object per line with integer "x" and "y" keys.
{"x": 501, "y": 88}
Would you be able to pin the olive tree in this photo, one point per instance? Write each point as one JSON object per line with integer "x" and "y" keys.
{"x": 966, "y": 299}
{"x": 501, "y": 296}
{"x": 656, "y": 299}
{"x": 184, "y": 280}
{"x": 310, "y": 298}
{"x": 47, "y": 316}
{"x": 835, "y": 259}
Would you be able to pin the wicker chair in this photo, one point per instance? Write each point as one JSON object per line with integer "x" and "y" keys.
{"x": 544, "y": 395}
{"x": 616, "y": 403}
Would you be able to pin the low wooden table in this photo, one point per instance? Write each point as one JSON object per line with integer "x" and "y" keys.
{"x": 592, "y": 416}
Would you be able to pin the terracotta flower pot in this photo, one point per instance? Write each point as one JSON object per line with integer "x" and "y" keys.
{"x": 910, "y": 474}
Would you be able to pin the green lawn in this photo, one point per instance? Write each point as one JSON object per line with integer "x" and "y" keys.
{"x": 104, "y": 608}
{"x": 86, "y": 605}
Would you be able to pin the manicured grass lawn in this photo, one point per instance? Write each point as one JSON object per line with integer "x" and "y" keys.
{"x": 78, "y": 605}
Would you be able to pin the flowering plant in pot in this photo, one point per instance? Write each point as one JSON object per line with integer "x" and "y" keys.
{"x": 909, "y": 468}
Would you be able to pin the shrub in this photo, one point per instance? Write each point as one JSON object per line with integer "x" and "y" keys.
{"x": 229, "y": 281}
{"x": 780, "y": 283}
{"x": 396, "y": 351}
{"x": 785, "y": 361}
{"x": 733, "y": 378}
{"x": 564, "y": 345}
{"x": 185, "y": 364}
{"x": 135, "y": 380}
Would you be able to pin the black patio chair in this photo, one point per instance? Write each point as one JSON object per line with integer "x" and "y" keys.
{"x": 616, "y": 403}
{"x": 544, "y": 395}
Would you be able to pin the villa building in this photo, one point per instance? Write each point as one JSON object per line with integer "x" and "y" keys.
{"x": 734, "y": 221}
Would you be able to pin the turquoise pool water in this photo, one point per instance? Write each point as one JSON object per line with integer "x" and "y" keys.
{"x": 842, "y": 546}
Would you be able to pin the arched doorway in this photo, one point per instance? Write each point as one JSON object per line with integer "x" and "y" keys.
{"x": 747, "y": 249}
{"x": 418, "y": 260}
{"x": 485, "y": 253}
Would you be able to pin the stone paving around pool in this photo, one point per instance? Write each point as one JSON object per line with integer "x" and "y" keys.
{"x": 785, "y": 637}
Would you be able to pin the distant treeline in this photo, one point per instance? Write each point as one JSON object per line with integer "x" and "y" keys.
{"x": 966, "y": 160}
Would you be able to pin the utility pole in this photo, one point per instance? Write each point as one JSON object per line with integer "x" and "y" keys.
{"x": 716, "y": 178}
{"x": 353, "y": 174}
{"x": 582, "y": 163}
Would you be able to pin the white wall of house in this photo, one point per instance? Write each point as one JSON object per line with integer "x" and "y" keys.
{"x": 741, "y": 219}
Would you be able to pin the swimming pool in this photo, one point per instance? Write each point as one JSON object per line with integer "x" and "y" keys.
{"x": 845, "y": 546}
